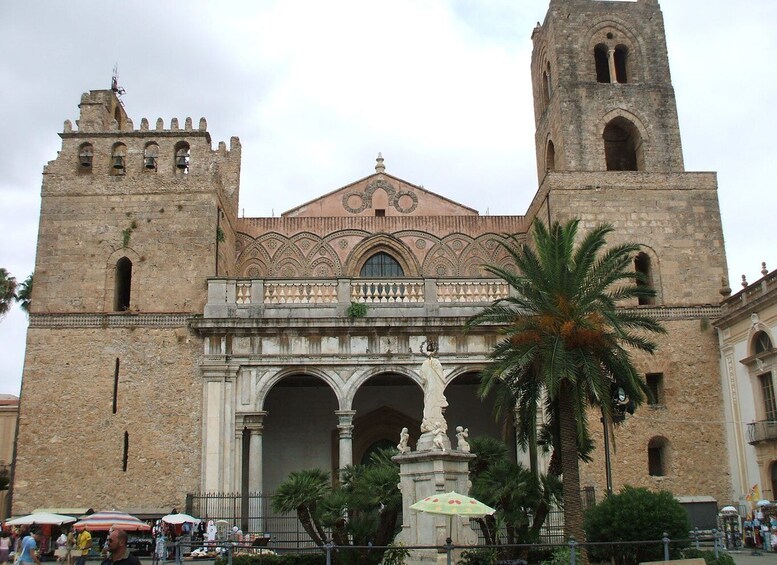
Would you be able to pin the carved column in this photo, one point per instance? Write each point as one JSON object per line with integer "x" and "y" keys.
{"x": 611, "y": 63}
{"x": 345, "y": 427}
{"x": 254, "y": 423}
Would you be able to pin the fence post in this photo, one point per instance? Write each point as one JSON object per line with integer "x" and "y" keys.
{"x": 229, "y": 553}
{"x": 696, "y": 536}
{"x": 449, "y": 550}
{"x": 328, "y": 545}
{"x": 715, "y": 535}
{"x": 666, "y": 546}
{"x": 572, "y": 544}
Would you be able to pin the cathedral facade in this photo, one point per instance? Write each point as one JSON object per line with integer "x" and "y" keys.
{"x": 176, "y": 348}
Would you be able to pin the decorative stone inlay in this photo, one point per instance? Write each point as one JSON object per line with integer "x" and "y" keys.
{"x": 402, "y": 209}
{"x": 441, "y": 270}
{"x": 347, "y": 198}
{"x": 420, "y": 243}
{"x": 457, "y": 244}
{"x": 343, "y": 243}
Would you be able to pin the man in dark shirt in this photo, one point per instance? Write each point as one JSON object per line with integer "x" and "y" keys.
{"x": 119, "y": 552}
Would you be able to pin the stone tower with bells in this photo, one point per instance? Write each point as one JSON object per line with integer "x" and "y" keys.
{"x": 133, "y": 221}
{"x": 608, "y": 151}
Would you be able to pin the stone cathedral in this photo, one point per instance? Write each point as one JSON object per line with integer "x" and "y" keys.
{"x": 176, "y": 348}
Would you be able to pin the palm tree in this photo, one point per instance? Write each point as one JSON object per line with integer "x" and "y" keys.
{"x": 24, "y": 294}
{"x": 565, "y": 339}
{"x": 7, "y": 291}
{"x": 302, "y": 492}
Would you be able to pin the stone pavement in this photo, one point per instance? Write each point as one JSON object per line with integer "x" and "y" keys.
{"x": 746, "y": 557}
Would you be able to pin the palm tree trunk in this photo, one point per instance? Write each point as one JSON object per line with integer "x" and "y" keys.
{"x": 573, "y": 503}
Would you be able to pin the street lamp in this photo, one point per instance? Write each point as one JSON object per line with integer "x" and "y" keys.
{"x": 621, "y": 403}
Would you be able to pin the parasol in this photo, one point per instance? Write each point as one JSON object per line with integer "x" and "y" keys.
{"x": 41, "y": 518}
{"x": 104, "y": 521}
{"x": 180, "y": 518}
{"x": 452, "y": 504}
{"x": 763, "y": 503}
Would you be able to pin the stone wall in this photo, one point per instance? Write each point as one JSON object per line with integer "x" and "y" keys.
{"x": 690, "y": 418}
{"x": 71, "y": 443}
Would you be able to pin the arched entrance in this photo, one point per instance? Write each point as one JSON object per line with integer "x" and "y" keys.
{"x": 298, "y": 428}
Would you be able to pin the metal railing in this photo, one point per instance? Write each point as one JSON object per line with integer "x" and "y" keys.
{"x": 765, "y": 430}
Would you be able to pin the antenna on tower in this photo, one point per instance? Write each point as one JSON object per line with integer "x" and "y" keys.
{"x": 118, "y": 90}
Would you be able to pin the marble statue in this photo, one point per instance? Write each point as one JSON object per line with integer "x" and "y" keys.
{"x": 439, "y": 438}
{"x": 433, "y": 381}
{"x": 462, "y": 434}
{"x": 402, "y": 447}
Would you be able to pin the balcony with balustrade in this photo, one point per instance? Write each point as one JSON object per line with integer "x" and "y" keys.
{"x": 762, "y": 431}
{"x": 326, "y": 298}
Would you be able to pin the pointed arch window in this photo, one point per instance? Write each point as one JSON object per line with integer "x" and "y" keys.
{"x": 381, "y": 265}
{"x": 601, "y": 59}
{"x": 621, "y": 61}
{"x": 550, "y": 157}
{"x": 642, "y": 266}
{"x": 622, "y": 146}
{"x": 123, "y": 288}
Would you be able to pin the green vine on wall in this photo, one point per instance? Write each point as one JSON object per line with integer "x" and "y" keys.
{"x": 127, "y": 233}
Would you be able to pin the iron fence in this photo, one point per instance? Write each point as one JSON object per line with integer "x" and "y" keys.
{"x": 252, "y": 513}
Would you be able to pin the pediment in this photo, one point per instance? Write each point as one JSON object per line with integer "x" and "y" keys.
{"x": 380, "y": 194}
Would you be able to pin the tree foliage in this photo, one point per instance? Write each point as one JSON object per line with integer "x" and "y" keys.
{"x": 364, "y": 509}
{"x": 521, "y": 498}
{"x": 565, "y": 341}
{"x": 7, "y": 291}
{"x": 24, "y": 294}
{"x": 637, "y": 514}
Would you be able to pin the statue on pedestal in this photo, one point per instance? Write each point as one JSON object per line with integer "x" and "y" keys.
{"x": 404, "y": 436}
{"x": 435, "y": 403}
{"x": 462, "y": 434}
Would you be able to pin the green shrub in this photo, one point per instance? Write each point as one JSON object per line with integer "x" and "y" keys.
{"x": 357, "y": 310}
{"x": 308, "y": 558}
{"x": 561, "y": 555}
{"x": 708, "y": 556}
{"x": 478, "y": 557}
{"x": 636, "y": 514}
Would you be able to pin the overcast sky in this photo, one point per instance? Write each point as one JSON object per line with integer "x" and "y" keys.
{"x": 315, "y": 89}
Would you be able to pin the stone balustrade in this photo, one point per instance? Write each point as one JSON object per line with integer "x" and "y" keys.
{"x": 255, "y": 298}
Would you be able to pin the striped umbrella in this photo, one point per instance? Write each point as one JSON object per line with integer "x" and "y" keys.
{"x": 103, "y": 521}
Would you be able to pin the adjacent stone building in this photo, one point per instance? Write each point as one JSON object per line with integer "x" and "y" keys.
{"x": 747, "y": 331}
{"x": 176, "y": 348}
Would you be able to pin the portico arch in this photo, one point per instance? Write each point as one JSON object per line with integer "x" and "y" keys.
{"x": 302, "y": 413}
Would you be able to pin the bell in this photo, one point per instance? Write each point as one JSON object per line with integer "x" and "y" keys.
{"x": 150, "y": 162}
{"x": 118, "y": 162}
{"x": 86, "y": 161}
{"x": 182, "y": 162}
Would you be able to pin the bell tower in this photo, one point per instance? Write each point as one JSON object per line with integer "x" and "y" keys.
{"x": 603, "y": 96}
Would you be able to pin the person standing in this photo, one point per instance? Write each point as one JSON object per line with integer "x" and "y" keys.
{"x": 71, "y": 546}
{"x": 84, "y": 545}
{"x": 5, "y": 547}
{"x": 119, "y": 553}
{"x": 29, "y": 548}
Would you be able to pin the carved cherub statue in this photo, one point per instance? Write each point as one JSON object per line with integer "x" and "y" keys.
{"x": 402, "y": 447}
{"x": 439, "y": 434}
{"x": 462, "y": 434}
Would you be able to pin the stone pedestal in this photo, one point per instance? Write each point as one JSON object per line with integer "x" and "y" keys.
{"x": 424, "y": 473}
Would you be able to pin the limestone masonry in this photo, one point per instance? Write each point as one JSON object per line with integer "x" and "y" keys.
{"x": 175, "y": 348}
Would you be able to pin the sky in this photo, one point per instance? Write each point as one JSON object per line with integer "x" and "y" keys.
{"x": 314, "y": 90}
